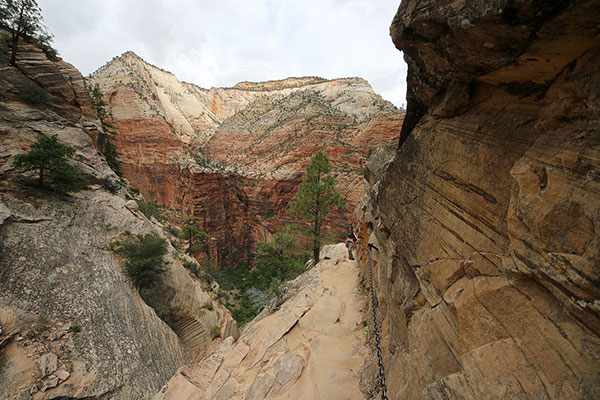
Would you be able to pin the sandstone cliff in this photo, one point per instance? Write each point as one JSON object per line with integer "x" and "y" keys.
{"x": 57, "y": 270}
{"x": 233, "y": 157}
{"x": 312, "y": 347}
{"x": 487, "y": 215}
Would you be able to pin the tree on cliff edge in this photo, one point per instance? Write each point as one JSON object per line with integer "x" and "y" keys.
{"x": 50, "y": 158}
{"x": 315, "y": 197}
{"x": 23, "y": 19}
{"x": 106, "y": 140}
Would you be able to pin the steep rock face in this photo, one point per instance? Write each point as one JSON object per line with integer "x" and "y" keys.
{"x": 233, "y": 157}
{"x": 58, "y": 270}
{"x": 487, "y": 215}
{"x": 311, "y": 347}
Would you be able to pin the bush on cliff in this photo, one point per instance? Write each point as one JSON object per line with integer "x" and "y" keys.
{"x": 107, "y": 140}
{"x": 150, "y": 209}
{"x": 33, "y": 94}
{"x": 144, "y": 254}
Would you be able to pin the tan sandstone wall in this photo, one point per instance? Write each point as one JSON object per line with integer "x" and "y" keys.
{"x": 488, "y": 214}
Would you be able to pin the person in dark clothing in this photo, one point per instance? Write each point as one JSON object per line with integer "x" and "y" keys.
{"x": 350, "y": 241}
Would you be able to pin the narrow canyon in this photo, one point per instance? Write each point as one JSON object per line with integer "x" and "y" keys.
{"x": 477, "y": 212}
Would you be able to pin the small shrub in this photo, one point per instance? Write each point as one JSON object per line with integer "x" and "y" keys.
{"x": 75, "y": 328}
{"x": 210, "y": 306}
{"x": 175, "y": 243}
{"x": 215, "y": 332}
{"x": 173, "y": 230}
{"x": 150, "y": 209}
{"x": 33, "y": 94}
{"x": 42, "y": 323}
{"x": 192, "y": 266}
{"x": 110, "y": 185}
{"x": 127, "y": 232}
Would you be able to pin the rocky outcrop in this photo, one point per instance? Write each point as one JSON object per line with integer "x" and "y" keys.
{"x": 486, "y": 216}
{"x": 311, "y": 346}
{"x": 72, "y": 324}
{"x": 233, "y": 157}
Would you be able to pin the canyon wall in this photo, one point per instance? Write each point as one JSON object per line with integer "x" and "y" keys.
{"x": 234, "y": 157}
{"x": 72, "y": 325}
{"x": 487, "y": 215}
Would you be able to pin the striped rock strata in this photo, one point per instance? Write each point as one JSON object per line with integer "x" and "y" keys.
{"x": 487, "y": 216}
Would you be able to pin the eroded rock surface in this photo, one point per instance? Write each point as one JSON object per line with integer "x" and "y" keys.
{"x": 487, "y": 216}
{"x": 311, "y": 347}
{"x": 73, "y": 325}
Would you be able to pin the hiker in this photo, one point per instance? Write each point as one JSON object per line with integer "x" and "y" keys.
{"x": 350, "y": 241}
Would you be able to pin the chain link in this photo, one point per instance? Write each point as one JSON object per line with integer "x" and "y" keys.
{"x": 381, "y": 372}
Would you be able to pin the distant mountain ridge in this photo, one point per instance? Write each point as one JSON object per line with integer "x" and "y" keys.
{"x": 230, "y": 155}
{"x": 195, "y": 112}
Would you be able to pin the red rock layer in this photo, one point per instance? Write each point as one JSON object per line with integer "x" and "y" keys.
{"x": 255, "y": 157}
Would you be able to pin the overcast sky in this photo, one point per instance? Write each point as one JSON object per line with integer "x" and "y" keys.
{"x": 219, "y": 43}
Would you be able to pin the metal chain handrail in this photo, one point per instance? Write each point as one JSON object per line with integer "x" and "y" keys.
{"x": 381, "y": 371}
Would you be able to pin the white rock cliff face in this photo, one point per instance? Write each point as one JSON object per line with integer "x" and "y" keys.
{"x": 57, "y": 268}
{"x": 136, "y": 89}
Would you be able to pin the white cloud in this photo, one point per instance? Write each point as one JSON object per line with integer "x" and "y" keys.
{"x": 219, "y": 43}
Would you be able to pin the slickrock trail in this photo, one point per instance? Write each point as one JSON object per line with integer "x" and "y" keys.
{"x": 312, "y": 347}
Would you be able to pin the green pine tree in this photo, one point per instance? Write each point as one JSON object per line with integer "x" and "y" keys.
{"x": 144, "y": 255}
{"x": 106, "y": 141}
{"x": 196, "y": 238}
{"x": 279, "y": 255}
{"x": 23, "y": 19}
{"x": 315, "y": 198}
{"x": 51, "y": 158}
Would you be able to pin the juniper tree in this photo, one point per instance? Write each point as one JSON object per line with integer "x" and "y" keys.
{"x": 315, "y": 198}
